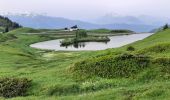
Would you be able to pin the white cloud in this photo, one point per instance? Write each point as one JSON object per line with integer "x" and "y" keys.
{"x": 88, "y": 8}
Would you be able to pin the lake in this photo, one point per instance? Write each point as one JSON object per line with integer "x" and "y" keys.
{"x": 115, "y": 41}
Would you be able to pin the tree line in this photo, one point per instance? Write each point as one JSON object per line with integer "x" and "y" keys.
{"x": 7, "y": 24}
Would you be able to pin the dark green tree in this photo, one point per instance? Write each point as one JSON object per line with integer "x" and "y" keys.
{"x": 165, "y": 27}
{"x": 81, "y": 33}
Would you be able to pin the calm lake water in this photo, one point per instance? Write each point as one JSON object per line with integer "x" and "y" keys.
{"x": 115, "y": 41}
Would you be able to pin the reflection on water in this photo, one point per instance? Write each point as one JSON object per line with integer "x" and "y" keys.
{"x": 76, "y": 45}
{"x": 115, "y": 41}
{"x": 80, "y": 45}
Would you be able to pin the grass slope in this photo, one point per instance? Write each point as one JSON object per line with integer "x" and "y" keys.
{"x": 52, "y": 77}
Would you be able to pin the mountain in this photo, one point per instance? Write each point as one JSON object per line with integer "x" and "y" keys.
{"x": 110, "y": 19}
{"x": 140, "y": 20}
{"x": 42, "y": 21}
{"x": 133, "y": 27}
{"x": 150, "y": 20}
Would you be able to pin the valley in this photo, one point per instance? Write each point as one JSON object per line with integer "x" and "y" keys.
{"x": 60, "y": 74}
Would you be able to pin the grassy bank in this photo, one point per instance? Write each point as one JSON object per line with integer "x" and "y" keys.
{"x": 109, "y": 31}
{"x": 59, "y": 75}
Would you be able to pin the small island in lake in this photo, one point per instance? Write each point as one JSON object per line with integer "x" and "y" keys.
{"x": 82, "y": 36}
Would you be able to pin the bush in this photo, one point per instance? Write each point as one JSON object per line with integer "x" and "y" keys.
{"x": 67, "y": 42}
{"x": 164, "y": 63}
{"x": 12, "y": 87}
{"x": 123, "y": 65}
{"x": 122, "y": 31}
{"x": 130, "y": 48}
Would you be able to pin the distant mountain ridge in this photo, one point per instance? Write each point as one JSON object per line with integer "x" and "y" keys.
{"x": 141, "y": 20}
{"x": 42, "y": 21}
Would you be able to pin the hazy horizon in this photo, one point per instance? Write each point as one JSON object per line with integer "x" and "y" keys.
{"x": 85, "y": 9}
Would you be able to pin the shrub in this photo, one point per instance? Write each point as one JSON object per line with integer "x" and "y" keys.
{"x": 123, "y": 65}
{"x": 122, "y": 31}
{"x": 12, "y": 87}
{"x": 67, "y": 42}
{"x": 164, "y": 63}
{"x": 130, "y": 48}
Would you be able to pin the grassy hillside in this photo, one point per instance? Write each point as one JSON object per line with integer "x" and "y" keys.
{"x": 109, "y": 74}
{"x": 7, "y": 25}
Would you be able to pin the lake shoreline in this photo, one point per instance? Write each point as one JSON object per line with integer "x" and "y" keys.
{"x": 54, "y": 45}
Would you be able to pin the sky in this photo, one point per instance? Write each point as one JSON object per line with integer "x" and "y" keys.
{"x": 84, "y": 9}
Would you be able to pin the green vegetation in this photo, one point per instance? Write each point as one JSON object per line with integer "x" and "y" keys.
{"x": 110, "y": 31}
{"x": 11, "y": 87}
{"x": 165, "y": 27}
{"x": 6, "y": 37}
{"x": 121, "y": 31}
{"x": 6, "y": 24}
{"x": 130, "y": 48}
{"x": 100, "y": 31}
{"x": 116, "y": 74}
{"x": 123, "y": 65}
{"x": 2, "y": 29}
{"x": 70, "y": 41}
{"x": 81, "y": 36}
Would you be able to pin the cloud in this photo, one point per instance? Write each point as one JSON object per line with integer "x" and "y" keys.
{"x": 88, "y": 8}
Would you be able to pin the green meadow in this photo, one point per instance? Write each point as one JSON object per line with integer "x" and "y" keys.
{"x": 112, "y": 74}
